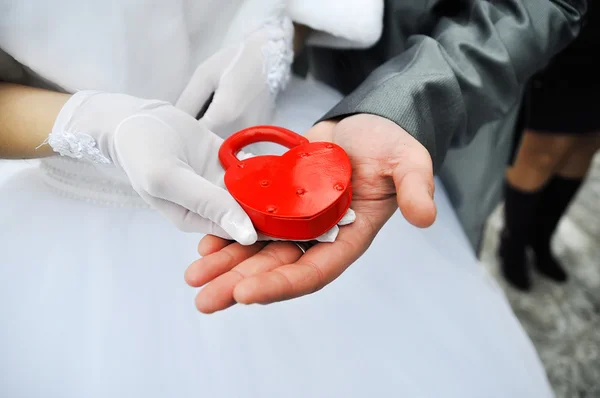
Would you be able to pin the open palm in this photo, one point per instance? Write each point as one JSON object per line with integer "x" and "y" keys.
{"x": 390, "y": 170}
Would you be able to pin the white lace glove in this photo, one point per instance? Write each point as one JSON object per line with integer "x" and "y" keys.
{"x": 245, "y": 80}
{"x": 170, "y": 159}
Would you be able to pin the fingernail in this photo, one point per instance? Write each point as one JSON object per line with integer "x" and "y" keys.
{"x": 247, "y": 238}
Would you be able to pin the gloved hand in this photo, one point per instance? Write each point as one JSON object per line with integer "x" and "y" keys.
{"x": 245, "y": 80}
{"x": 170, "y": 159}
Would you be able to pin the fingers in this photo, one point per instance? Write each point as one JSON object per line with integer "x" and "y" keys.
{"x": 210, "y": 244}
{"x": 219, "y": 293}
{"x": 184, "y": 187}
{"x": 184, "y": 219}
{"x": 222, "y": 110}
{"x": 413, "y": 179}
{"x": 284, "y": 283}
{"x": 278, "y": 271}
{"x": 307, "y": 275}
{"x": 200, "y": 87}
{"x": 213, "y": 265}
{"x": 321, "y": 264}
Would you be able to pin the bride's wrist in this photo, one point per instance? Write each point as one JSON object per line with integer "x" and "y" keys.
{"x": 27, "y": 116}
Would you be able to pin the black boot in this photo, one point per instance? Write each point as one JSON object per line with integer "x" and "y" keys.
{"x": 519, "y": 216}
{"x": 555, "y": 199}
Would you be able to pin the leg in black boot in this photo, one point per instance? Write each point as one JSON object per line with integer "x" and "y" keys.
{"x": 519, "y": 213}
{"x": 555, "y": 199}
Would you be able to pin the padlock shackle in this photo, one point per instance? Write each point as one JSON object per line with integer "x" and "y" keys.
{"x": 236, "y": 142}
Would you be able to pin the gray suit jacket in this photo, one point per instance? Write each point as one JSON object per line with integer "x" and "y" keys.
{"x": 451, "y": 73}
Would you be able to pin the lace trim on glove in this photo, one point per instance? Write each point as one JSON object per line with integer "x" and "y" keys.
{"x": 278, "y": 53}
{"x": 76, "y": 145}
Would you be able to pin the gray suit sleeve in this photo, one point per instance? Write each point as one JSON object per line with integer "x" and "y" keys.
{"x": 469, "y": 71}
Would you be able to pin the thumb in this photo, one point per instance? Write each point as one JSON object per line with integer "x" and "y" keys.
{"x": 413, "y": 179}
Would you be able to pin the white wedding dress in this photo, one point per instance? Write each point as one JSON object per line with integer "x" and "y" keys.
{"x": 93, "y": 302}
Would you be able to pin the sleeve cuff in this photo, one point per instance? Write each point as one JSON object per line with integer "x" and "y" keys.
{"x": 340, "y": 24}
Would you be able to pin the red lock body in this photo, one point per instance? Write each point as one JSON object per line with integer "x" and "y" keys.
{"x": 299, "y": 195}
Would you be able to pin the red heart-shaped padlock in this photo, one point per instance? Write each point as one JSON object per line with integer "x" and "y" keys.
{"x": 299, "y": 195}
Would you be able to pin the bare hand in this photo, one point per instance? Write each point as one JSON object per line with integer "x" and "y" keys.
{"x": 390, "y": 170}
